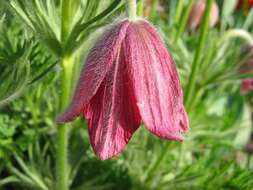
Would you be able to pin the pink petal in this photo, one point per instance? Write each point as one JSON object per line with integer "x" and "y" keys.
{"x": 155, "y": 82}
{"x": 246, "y": 86}
{"x": 98, "y": 63}
{"x": 112, "y": 113}
{"x": 197, "y": 13}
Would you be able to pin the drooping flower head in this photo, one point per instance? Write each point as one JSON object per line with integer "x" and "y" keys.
{"x": 128, "y": 78}
{"x": 197, "y": 14}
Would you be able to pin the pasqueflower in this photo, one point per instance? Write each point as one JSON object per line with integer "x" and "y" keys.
{"x": 128, "y": 78}
{"x": 197, "y": 13}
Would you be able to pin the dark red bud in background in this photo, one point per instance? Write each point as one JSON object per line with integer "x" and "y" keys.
{"x": 247, "y": 3}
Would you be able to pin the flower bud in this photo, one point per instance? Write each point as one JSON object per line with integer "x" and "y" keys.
{"x": 197, "y": 13}
{"x": 247, "y": 68}
{"x": 247, "y": 3}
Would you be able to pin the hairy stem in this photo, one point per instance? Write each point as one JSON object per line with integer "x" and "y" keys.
{"x": 237, "y": 33}
{"x": 65, "y": 19}
{"x": 131, "y": 7}
{"x": 62, "y": 149}
{"x": 156, "y": 164}
{"x": 67, "y": 62}
{"x": 62, "y": 163}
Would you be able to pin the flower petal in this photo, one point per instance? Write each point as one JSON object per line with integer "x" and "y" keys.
{"x": 98, "y": 63}
{"x": 246, "y": 86}
{"x": 155, "y": 82}
{"x": 112, "y": 113}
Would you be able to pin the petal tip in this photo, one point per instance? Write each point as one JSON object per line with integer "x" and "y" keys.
{"x": 108, "y": 156}
{"x": 60, "y": 120}
{"x": 66, "y": 117}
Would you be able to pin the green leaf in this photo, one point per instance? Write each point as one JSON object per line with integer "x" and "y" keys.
{"x": 82, "y": 29}
{"x": 40, "y": 16}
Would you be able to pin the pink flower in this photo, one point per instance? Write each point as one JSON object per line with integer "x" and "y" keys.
{"x": 197, "y": 13}
{"x": 247, "y": 68}
{"x": 246, "y": 86}
{"x": 129, "y": 77}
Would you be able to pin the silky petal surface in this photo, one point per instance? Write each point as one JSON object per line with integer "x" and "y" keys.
{"x": 155, "y": 82}
{"x": 112, "y": 113}
{"x": 98, "y": 63}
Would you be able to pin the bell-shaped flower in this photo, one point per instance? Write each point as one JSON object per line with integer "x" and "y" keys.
{"x": 128, "y": 78}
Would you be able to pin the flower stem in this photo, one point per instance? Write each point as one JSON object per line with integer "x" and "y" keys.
{"x": 197, "y": 58}
{"x": 237, "y": 33}
{"x": 67, "y": 62}
{"x": 131, "y": 7}
{"x": 63, "y": 130}
{"x": 179, "y": 10}
{"x": 141, "y": 8}
{"x": 156, "y": 164}
{"x": 62, "y": 163}
{"x": 184, "y": 19}
{"x": 65, "y": 19}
